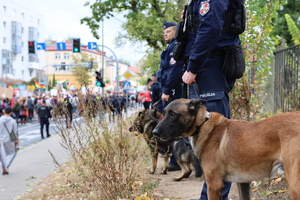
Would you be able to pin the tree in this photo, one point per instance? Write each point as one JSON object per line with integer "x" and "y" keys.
{"x": 292, "y": 8}
{"x": 53, "y": 81}
{"x": 293, "y": 29}
{"x": 144, "y": 18}
{"x": 80, "y": 72}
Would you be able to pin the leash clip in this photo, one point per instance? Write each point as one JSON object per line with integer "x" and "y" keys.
{"x": 208, "y": 115}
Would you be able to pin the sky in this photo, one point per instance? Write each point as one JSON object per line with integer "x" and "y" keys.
{"x": 62, "y": 20}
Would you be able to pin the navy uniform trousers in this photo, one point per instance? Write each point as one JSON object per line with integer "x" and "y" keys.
{"x": 214, "y": 88}
{"x": 44, "y": 121}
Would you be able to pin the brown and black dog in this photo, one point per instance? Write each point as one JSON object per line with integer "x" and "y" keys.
{"x": 236, "y": 150}
{"x": 183, "y": 153}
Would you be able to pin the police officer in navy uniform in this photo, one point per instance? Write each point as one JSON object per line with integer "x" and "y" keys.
{"x": 170, "y": 72}
{"x": 44, "y": 113}
{"x": 204, "y": 57}
{"x": 169, "y": 76}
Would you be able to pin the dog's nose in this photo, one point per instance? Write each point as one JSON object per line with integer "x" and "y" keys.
{"x": 155, "y": 132}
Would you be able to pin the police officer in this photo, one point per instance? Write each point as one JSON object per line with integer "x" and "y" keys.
{"x": 44, "y": 113}
{"x": 155, "y": 92}
{"x": 205, "y": 57}
{"x": 169, "y": 74}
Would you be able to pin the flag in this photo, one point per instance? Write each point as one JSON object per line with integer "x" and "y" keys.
{"x": 39, "y": 86}
{"x": 61, "y": 81}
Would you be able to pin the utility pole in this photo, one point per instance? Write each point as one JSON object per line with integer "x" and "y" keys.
{"x": 117, "y": 67}
{"x": 102, "y": 53}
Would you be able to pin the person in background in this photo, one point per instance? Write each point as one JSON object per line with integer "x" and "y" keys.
{"x": 16, "y": 110}
{"x": 30, "y": 107}
{"x": 7, "y": 125}
{"x": 74, "y": 102}
{"x": 23, "y": 115}
{"x": 146, "y": 98}
{"x": 44, "y": 114}
{"x": 69, "y": 112}
{"x": 155, "y": 92}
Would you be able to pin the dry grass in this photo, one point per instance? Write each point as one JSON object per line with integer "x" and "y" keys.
{"x": 107, "y": 163}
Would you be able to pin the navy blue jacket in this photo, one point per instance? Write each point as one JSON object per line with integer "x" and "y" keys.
{"x": 170, "y": 72}
{"x": 209, "y": 36}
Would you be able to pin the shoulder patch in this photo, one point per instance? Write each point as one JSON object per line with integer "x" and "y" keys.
{"x": 172, "y": 61}
{"x": 204, "y": 8}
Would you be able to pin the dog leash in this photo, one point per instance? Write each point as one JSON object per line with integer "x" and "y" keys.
{"x": 197, "y": 91}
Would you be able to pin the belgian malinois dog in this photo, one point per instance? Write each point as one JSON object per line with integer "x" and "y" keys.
{"x": 236, "y": 150}
{"x": 183, "y": 153}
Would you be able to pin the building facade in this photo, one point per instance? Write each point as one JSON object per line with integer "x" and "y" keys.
{"x": 18, "y": 25}
{"x": 59, "y": 63}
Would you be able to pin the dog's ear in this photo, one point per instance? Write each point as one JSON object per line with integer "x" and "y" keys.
{"x": 140, "y": 113}
{"x": 194, "y": 105}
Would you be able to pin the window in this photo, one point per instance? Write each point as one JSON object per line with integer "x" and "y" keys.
{"x": 4, "y": 24}
{"x": 62, "y": 66}
{"x": 22, "y": 30}
{"x": 4, "y": 9}
{"x": 31, "y": 18}
{"x": 23, "y": 16}
{"x": 14, "y": 12}
{"x": 38, "y": 21}
{"x": 57, "y": 56}
{"x": 4, "y": 40}
{"x": 22, "y": 58}
{"x": 66, "y": 56}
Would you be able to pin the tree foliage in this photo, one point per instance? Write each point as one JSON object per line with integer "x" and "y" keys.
{"x": 79, "y": 71}
{"x": 248, "y": 96}
{"x": 293, "y": 29}
{"x": 292, "y": 8}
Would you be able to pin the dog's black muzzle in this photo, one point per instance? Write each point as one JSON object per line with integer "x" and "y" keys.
{"x": 163, "y": 137}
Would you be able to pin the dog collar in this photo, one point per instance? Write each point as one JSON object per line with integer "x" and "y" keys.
{"x": 207, "y": 117}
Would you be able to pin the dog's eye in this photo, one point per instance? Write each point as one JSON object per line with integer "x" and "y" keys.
{"x": 172, "y": 114}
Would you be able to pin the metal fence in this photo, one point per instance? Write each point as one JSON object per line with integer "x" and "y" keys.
{"x": 287, "y": 79}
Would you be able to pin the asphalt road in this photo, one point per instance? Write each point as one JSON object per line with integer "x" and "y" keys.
{"x": 29, "y": 133}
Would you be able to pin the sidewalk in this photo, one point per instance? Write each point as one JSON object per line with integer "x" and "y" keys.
{"x": 34, "y": 163}
{"x": 30, "y": 165}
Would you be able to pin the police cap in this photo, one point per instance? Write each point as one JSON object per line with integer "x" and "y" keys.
{"x": 169, "y": 24}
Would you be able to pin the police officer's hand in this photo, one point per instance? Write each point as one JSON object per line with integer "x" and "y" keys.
{"x": 182, "y": 15}
{"x": 189, "y": 78}
{"x": 165, "y": 97}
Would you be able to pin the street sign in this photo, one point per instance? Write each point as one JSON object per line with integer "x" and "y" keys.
{"x": 61, "y": 46}
{"x": 92, "y": 45}
{"x": 41, "y": 46}
{"x": 127, "y": 74}
{"x": 126, "y": 85}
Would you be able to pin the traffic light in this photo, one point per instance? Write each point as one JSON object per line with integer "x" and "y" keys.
{"x": 99, "y": 80}
{"x": 76, "y": 45}
{"x": 90, "y": 65}
{"x": 31, "y": 47}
